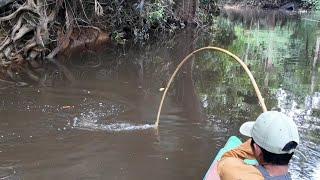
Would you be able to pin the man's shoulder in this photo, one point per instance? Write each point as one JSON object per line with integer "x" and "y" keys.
{"x": 234, "y": 168}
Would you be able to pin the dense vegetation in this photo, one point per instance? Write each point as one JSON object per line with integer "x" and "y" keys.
{"x": 34, "y": 30}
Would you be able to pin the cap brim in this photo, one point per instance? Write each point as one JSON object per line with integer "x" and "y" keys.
{"x": 246, "y": 128}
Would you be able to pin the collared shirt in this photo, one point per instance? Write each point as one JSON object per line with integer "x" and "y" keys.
{"x": 232, "y": 166}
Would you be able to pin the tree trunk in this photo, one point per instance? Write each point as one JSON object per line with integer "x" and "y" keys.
{"x": 314, "y": 75}
{"x": 184, "y": 86}
{"x": 186, "y": 10}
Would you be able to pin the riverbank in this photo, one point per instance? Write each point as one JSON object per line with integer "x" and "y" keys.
{"x": 34, "y": 31}
{"x": 40, "y": 30}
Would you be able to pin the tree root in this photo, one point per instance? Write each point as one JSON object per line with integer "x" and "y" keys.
{"x": 5, "y": 43}
{"x": 13, "y": 15}
{"x": 37, "y": 29}
{"x": 7, "y": 51}
{"x": 64, "y": 41}
{"x": 23, "y": 30}
{"x": 16, "y": 27}
{"x": 28, "y": 38}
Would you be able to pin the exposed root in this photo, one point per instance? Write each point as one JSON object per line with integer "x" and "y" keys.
{"x": 16, "y": 27}
{"x": 63, "y": 43}
{"x": 39, "y": 29}
{"x": 23, "y": 30}
{"x": 28, "y": 39}
{"x": 7, "y": 51}
{"x": 5, "y": 43}
{"x": 98, "y": 8}
{"x": 13, "y": 15}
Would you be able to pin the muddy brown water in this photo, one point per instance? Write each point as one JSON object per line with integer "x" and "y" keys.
{"x": 90, "y": 117}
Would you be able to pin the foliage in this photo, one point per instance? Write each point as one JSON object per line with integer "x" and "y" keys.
{"x": 156, "y": 14}
{"x": 208, "y": 11}
{"x": 313, "y": 3}
{"x": 118, "y": 37}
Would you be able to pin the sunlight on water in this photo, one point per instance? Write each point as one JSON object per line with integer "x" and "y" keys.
{"x": 317, "y": 172}
{"x": 302, "y": 168}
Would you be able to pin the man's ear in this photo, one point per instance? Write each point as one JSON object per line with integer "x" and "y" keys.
{"x": 257, "y": 150}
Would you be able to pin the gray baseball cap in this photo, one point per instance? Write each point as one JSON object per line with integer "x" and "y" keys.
{"x": 272, "y": 131}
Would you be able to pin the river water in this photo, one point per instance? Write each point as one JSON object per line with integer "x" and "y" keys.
{"x": 91, "y": 116}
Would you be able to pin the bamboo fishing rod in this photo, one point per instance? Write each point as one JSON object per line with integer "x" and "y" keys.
{"x": 255, "y": 86}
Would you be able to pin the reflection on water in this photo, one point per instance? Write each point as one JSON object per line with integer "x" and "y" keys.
{"x": 91, "y": 115}
{"x": 262, "y": 18}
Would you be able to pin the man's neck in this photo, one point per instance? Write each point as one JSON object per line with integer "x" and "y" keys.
{"x": 276, "y": 170}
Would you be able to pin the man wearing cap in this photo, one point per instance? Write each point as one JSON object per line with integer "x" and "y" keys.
{"x": 274, "y": 137}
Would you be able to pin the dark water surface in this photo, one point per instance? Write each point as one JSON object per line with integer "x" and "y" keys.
{"x": 92, "y": 115}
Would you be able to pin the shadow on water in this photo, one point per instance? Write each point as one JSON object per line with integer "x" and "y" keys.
{"x": 84, "y": 119}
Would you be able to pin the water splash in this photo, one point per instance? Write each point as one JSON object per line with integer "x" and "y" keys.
{"x": 90, "y": 121}
{"x": 7, "y": 172}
